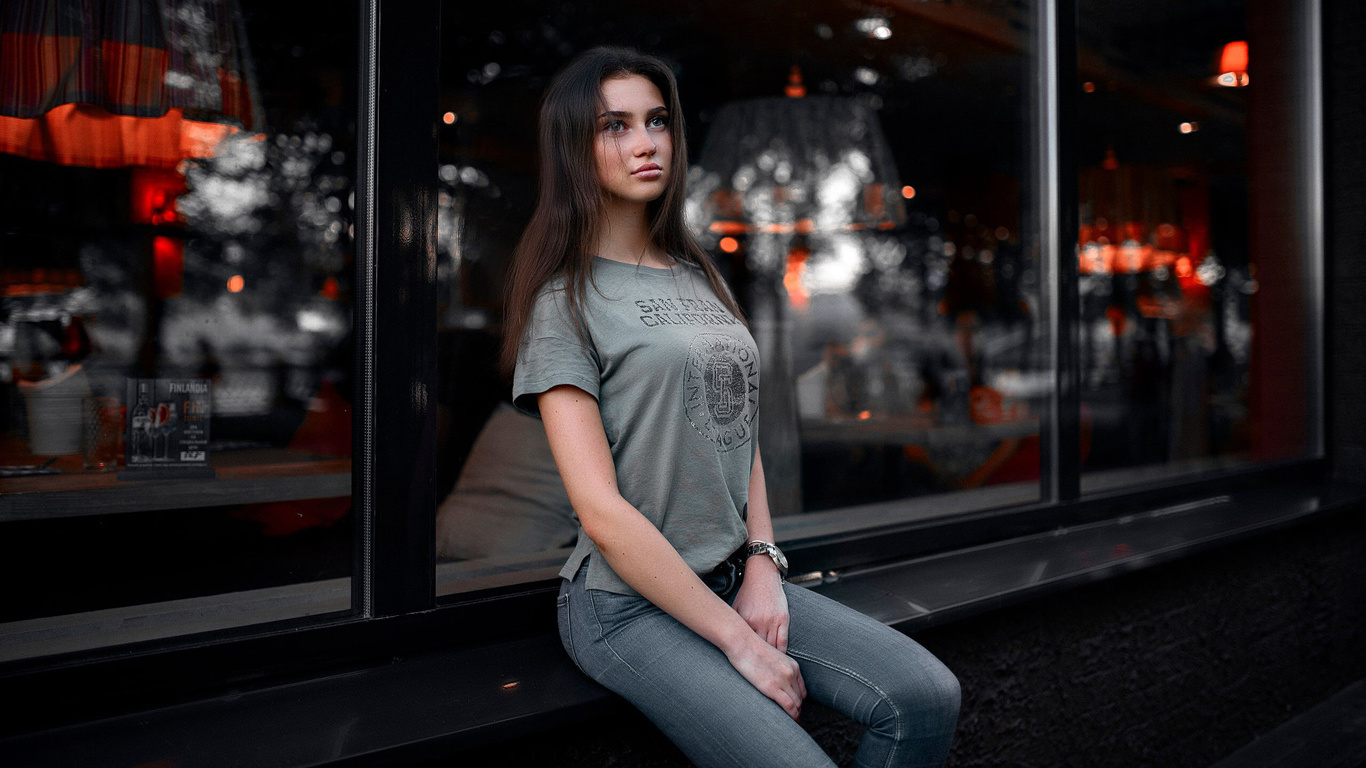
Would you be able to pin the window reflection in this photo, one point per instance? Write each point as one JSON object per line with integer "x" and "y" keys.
{"x": 864, "y": 185}
{"x": 175, "y": 322}
{"x": 1192, "y": 359}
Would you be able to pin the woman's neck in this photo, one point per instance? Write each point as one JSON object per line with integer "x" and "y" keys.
{"x": 624, "y": 235}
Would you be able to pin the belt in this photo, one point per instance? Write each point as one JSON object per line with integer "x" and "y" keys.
{"x": 727, "y": 576}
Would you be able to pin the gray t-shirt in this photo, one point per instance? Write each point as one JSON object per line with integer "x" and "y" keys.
{"x": 676, "y": 378}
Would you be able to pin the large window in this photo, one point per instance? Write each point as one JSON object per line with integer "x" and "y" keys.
{"x": 216, "y": 238}
{"x": 176, "y": 372}
{"x": 863, "y": 178}
{"x": 1196, "y": 319}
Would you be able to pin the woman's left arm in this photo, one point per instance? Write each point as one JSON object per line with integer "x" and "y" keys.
{"x": 760, "y": 601}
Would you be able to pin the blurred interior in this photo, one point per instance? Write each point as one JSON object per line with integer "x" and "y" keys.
{"x": 180, "y": 207}
{"x": 175, "y": 203}
{"x": 1193, "y": 303}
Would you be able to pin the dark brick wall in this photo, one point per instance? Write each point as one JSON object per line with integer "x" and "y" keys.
{"x": 1345, "y": 143}
{"x": 1179, "y": 666}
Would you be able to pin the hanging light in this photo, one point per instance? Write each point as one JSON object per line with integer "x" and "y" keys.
{"x": 795, "y": 87}
{"x": 796, "y": 166}
{"x": 1233, "y": 65}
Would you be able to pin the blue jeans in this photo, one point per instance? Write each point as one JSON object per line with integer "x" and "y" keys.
{"x": 686, "y": 686}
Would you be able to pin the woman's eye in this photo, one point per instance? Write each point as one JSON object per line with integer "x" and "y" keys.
{"x": 659, "y": 121}
{"x": 613, "y": 126}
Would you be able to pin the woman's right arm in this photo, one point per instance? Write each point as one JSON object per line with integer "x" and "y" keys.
{"x": 640, "y": 554}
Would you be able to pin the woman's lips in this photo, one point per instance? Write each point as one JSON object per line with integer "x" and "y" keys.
{"x": 648, "y": 171}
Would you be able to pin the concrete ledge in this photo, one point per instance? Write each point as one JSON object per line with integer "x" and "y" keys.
{"x": 434, "y": 704}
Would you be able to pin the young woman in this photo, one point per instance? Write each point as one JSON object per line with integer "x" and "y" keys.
{"x": 628, "y": 345}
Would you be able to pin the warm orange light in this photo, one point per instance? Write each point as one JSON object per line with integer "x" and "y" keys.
{"x": 1190, "y": 127}
{"x": 792, "y": 277}
{"x": 865, "y": 415}
{"x": 236, "y": 284}
{"x": 510, "y": 686}
{"x": 154, "y": 192}
{"x": 168, "y": 266}
{"x": 1088, "y": 86}
{"x": 908, "y": 192}
{"x": 1234, "y": 57}
{"x": 1233, "y": 65}
{"x": 448, "y": 118}
{"x": 795, "y": 87}
{"x": 331, "y": 289}
{"x": 1183, "y": 266}
{"x": 730, "y": 244}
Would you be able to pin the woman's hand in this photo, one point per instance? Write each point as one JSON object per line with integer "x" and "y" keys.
{"x": 761, "y": 602}
{"x": 775, "y": 675}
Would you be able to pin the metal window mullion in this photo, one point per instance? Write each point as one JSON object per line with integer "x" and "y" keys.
{"x": 362, "y": 430}
{"x": 1056, "y": 173}
{"x": 1069, "y": 209}
{"x": 1310, "y": 52}
{"x": 399, "y": 453}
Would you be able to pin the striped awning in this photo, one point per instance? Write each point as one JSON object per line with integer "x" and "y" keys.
{"x": 116, "y": 83}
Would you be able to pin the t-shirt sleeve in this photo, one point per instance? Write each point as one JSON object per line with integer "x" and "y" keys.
{"x": 552, "y": 353}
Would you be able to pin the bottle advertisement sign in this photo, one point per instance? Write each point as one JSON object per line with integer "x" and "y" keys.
{"x": 168, "y": 424}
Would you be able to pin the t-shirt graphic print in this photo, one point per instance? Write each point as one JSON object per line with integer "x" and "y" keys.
{"x": 721, "y": 389}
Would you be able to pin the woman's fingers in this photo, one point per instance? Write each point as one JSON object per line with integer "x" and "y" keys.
{"x": 791, "y": 695}
{"x": 789, "y": 704}
{"x": 780, "y": 635}
{"x": 773, "y": 674}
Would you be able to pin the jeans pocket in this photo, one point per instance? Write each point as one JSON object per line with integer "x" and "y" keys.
{"x": 613, "y": 612}
{"x": 566, "y": 630}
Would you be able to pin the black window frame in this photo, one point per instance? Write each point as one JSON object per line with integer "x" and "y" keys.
{"x": 395, "y": 611}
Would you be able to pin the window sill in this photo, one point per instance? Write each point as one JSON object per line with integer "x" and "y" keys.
{"x": 436, "y": 703}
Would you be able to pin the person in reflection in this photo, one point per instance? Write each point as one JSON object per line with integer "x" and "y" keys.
{"x": 623, "y": 338}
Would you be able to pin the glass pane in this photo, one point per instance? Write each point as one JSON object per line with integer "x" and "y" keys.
{"x": 1195, "y": 318}
{"x": 175, "y": 318}
{"x": 862, "y": 177}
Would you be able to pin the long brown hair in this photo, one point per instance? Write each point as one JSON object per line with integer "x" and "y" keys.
{"x": 559, "y": 239}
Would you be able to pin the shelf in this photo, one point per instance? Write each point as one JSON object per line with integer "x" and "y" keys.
{"x": 242, "y": 477}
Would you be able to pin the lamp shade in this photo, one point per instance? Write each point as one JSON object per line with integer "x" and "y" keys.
{"x": 111, "y": 84}
{"x": 798, "y": 165}
{"x": 1233, "y": 65}
{"x": 1233, "y": 59}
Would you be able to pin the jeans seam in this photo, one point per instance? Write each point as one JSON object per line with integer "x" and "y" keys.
{"x": 569, "y": 633}
{"x": 593, "y": 606}
{"x": 896, "y": 711}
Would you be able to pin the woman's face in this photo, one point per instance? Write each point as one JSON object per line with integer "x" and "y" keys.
{"x": 632, "y": 147}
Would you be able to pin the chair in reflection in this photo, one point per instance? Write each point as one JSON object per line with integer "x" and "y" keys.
{"x": 509, "y": 499}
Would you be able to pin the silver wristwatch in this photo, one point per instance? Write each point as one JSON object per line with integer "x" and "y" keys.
{"x": 756, "y": 547}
